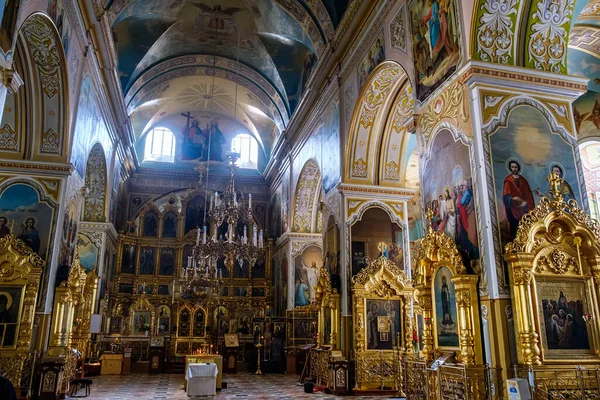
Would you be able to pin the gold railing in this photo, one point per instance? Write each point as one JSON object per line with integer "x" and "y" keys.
{"x": 447, "y": 382}
{"x": 378, "y": 370}
{"x": 562, "y": 383}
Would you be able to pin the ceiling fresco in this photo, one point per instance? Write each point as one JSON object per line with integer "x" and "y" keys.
{"x": 179, "y": 56}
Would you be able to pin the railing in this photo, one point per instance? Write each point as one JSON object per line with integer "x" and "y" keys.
{"x": 447, "y": 382}
{"x": 561, "y": 383}
{"x": 378, "y": 370}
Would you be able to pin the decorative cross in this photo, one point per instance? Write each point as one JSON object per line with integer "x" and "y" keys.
{"x": 200, "y": 169}
{"x": 555, "y": 184}
{"x": 144, "y": 288}
{"x": 188, "y": 115}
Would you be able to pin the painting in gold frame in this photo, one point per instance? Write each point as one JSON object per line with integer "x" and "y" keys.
{"x": 563, "y": 313}
{"x": 445, "y": 310}
{"x": 383, "y": 324}
{"x": 11, "y": 300}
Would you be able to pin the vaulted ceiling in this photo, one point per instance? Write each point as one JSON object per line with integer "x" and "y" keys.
{"x": 178, "y": 56}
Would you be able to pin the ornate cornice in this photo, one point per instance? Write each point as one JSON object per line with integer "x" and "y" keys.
{"x": 403, "y": 194}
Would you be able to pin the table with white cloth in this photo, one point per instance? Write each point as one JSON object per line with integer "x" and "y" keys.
{"x": 201, "y": 379}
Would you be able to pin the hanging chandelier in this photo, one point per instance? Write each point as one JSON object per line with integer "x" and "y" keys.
{"x": 234, "y": 237}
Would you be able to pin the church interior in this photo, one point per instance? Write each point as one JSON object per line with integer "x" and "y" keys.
{"x": 294, "y": 199}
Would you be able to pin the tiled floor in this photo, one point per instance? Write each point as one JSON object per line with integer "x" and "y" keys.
{"x": 166, "y": 386}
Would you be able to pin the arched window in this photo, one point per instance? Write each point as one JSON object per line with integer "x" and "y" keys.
{"x": 160, "y": 145}
{"x": 247, "y": 146}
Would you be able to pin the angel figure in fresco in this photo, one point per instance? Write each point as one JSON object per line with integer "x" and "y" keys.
{"x": 565, "y": 189}
{"x": 579, "y": 118}
{"x": 218, "y": 16}
{"x": 595, "y": 115}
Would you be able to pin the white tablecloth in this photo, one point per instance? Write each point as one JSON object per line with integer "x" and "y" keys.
{"x": 202, "y": 379}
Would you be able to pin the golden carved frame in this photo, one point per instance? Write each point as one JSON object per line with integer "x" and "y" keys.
{"x": 380, "y": 280}
{"x": 556, "y": 242}
{"x": 438, "y": 250}
{"x": 327, "y": 299}
{"x": 19, "y": 267}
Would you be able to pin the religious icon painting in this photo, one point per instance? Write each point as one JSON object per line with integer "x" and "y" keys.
{"x": 194, "y": 214}
{"x": 115, "y": 325}
{"x": 169, "y": 225}
{"x": 524, "y": 152}
{"x": 445, "y": 310}
{"x": 167, "y": 261}
{"x": 141, "y": 322}
{"x": 436, "y": 49}
{"x": 564, "y": 315}
{"x": 382, "y": 323}
{"x": 128, "y": 259}
{"x": 11, "y": 298}
{"x": 147, "y": 261}
{"x": 150, "y": 224}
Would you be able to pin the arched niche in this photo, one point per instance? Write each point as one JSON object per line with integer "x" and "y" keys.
{"x": 306, "y": 198}
{"x": 448, "y": 300}
{"x": 374, "y": 234}
{"x": 555, "y": 265}
{"x": 381, "y": 123}
{"x": 46, "y": 102}
{"x": 307, "y": 265}
{"x": 94, "y": 205}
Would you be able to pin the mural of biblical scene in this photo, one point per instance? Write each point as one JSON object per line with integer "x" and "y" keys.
{"x": 10, "y": 307}
{"x": 69, "y": 234}
{"x": 150, "y": 224}
{"x": 330, "y": 134}
{"x": 202, "y": 140}
{"x": 167, "y": 261}
{"x": 434, "y": 31}
{"x": 128, "y": 259}
{"x": 523, "y": 155}
{"x": 375, "y": 235}
{"x": 194, "y": 214}
{"x": 147, "y": 261}
{"x": 169, "y": 225}
{"x": 88, "y": 253}
{"x": 383, "y": 324}
{"x": 562, "y": 308}
{"x": 332, "y": 253}
{"x": 590, "y": 160}
{"x": 30, "y": 218}
{"x": 448, "y": 192}
{"x": 309, "y": 62}
{"x": 375, "y": 55}
{"x": 56, "y": 11}
{"x": 306, "y": 273}
{"x": 446, "y": 319}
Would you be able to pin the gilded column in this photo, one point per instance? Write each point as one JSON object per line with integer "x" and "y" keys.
{"x": 466, "y": 286}
{"x": 529, "y": 339}
{"x": 425, "y": 301}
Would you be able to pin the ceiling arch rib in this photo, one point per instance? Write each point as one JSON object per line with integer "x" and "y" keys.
{"x": 149, "y": 85}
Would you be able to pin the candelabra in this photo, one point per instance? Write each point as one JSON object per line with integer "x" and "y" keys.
{"x": 202, "y": 275}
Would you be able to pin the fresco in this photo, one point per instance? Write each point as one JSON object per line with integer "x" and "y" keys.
{"x": 56, "y": 11}
{"x": 446, "y": 315}
{"x": 590, "y": 160}
{"x": 330, "y": 147}
{"x": 448, "y": 191}
{"x": 89, "y": 127}
{"x": 88, "y": 253}
{"x": 31, "y": 219}
{"x": 374, "y": 56}
{"x": 436, "y": 52}
{"x": 275, "y": 223}
{"x": 523, "y": 154}
{"x": 586, "y": 112}
{"x": 306, "y": 273}
{"x": 383, "y": 324}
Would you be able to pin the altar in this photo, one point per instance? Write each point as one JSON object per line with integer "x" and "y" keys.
{"x": 201, "y": 379}
{"x": 215, "y": 358}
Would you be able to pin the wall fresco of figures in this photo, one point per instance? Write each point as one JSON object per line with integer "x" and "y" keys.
{"x": 590, "y": 160}
{"x": 88, "y": 252}
{"x": 436, "y": 49}
{"x": 306, "y": 273}
{"x": 374, "y": 56}
{"x": 30, "y": 218}
{"x": 448, "y": 191}
{"x": 523, "y": 155}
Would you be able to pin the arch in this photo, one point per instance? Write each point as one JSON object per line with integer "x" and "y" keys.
{"x": 364, "y": 207}
{"x": 46, "y": 90}
{"x": 306, "y": 198}
{"x": 94, "y": 205}
{"x": 369, "y": 117}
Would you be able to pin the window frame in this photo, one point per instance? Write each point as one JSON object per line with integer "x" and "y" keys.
{"x": 162, "y": 155}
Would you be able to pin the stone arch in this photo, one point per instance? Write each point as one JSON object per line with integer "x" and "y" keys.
{"x": 306, "y": 198}
{"x": 46, "y": 95}
{"x": 370, "y": 117}
{"x": 94, "y": 206}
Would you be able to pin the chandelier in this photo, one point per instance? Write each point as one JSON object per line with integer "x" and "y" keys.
{"x": 234, "y": 237}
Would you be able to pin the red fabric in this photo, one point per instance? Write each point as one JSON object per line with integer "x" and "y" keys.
{"x": 522, "y": 191}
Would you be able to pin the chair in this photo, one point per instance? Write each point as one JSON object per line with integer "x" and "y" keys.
{"x": 77, "y": 384}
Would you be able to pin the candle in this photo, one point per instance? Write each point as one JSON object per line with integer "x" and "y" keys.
{"x": 254, "y": 235}
{"x": 250, "y": 201}
{"x": 234, "y": 197}
{"x": 260, "y": 239}
{"x": 204, "y": 238}
{"x": 197, "y": 236}
{"x": 216, "y": 199}
{"x": 245, "y": 233}
{"x": 212, "y": 199}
